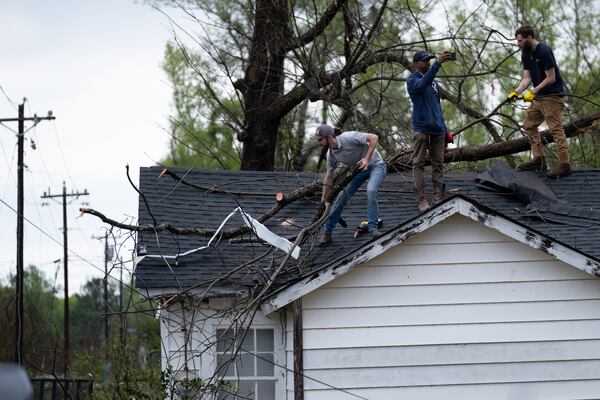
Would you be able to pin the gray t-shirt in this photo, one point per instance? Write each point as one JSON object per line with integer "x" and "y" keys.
{"x": 352, "y": 146}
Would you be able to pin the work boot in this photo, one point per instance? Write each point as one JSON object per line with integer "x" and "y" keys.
{"x": 438, "y": 197}
{"x": 537, "y": 164}
{"x": 423, "y": 205}
{"x": 559, "y": 171}
{"x": 375, "y": 233}
{"x": 325, "y": 239}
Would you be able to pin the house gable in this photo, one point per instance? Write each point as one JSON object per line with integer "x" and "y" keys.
{"x": 455, "y": 205}
{"x": 458, "y": 311}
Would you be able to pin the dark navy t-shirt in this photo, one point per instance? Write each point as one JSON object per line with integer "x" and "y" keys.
{"x": 537, "y": 63}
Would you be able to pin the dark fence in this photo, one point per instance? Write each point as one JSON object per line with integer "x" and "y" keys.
{"x": 59, "y": 389}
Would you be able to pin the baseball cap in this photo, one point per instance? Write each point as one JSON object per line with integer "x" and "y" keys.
{"x": 422, "y": 56}
{"x": 324, "y": 130}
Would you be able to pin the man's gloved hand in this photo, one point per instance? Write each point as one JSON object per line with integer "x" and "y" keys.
{"x": 512, "y": 97}
{"x": 529, "y": 96}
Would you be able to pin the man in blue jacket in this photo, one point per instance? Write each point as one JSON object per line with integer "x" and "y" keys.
{"x": 429, "y": 128}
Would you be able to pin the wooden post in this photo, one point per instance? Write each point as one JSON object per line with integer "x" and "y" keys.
{"x": 298, "y": 352}
{"x": 105, "y": 287}
{"x": 20, "y": 267}
{"x": 66, "y": 282}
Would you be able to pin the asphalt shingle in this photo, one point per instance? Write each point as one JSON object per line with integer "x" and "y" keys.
{"x": 572, "y": 220}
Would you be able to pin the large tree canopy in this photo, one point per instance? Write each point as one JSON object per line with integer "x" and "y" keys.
{"x": 263, "y": 71}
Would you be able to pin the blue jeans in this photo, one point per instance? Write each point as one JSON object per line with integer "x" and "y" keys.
{"x": 375, "y": 174}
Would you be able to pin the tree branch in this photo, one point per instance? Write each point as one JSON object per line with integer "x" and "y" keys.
{"x": 318, "y": 28}
{"x": 576, "y": 128}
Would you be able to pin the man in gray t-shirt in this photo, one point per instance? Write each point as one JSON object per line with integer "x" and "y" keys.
{"x": 351, "y": 148}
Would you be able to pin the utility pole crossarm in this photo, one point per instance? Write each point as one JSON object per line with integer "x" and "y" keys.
{"x": 34, "y": 118}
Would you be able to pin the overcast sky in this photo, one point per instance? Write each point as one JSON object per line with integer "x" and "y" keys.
{"x": 97, "y": 65}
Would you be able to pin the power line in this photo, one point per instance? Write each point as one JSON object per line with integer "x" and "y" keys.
{"x": 68, "y": 172}
{"x": 9, "y": 128}
{"x": 8, "y": 164}
{"x": 62, "y": 155}
{"x": 305, "y": 376}
{"x": 70, "y": 251}
{"x": 12, "y": 103}
{"x": 137, "y": 291}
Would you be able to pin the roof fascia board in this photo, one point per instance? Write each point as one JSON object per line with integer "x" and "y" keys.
{"x": 201, "y": 293}
{"x": 529, "y": 237}
{"x": 457, "y": 204}
{"x": 369, "y": 251}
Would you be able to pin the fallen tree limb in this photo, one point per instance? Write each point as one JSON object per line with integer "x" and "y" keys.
{"x": 477, "y": 153}
{"x": 341, "y": 178}
{"x": 344, "y": 175}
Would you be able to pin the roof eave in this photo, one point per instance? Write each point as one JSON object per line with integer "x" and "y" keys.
{"x": 455, "y": 205}
{"x": 197, "y": 292}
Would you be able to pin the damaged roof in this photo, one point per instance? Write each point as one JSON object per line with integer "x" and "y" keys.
{"x": 566, "y": 211}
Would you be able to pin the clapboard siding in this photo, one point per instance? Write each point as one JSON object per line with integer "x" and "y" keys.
{"x": 454, "y": 294}
{"x": 482, "y": 353}
{"x": 459, "y": 311}
{"x": 457, "y": 374}
{"x": 451, "y": 334}
{"x": 450, "y": 314}
{"x": 403, "y": 275}
{"x": 452, "y": 254}
{"x": 457, "y": 231}
{"x": 573, "y": 390}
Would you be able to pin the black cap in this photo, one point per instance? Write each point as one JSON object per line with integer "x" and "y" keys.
{"x": 422, "y": 56}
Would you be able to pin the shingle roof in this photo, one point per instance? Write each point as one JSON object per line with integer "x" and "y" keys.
{"x": 568, "y": 212}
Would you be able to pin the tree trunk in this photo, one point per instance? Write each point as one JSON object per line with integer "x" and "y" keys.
{"x": 264, "y": 83}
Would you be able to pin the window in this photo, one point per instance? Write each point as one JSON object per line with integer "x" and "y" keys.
{"x": 245, "y": 359}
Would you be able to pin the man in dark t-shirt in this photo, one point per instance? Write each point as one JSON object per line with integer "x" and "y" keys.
{"x": 546, "y": 97}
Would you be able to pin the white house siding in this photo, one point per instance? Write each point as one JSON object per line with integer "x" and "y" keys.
{"x": 459, "y": 311}
{"x": 186, "y": 333}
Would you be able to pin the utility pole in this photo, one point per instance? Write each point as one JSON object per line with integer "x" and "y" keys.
{"x": 64, "y": 196}
{"x": 108, "y": 255}
{"x": 18, "y": 352}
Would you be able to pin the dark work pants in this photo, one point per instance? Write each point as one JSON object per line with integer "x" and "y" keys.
{"x": 435, "y": 144}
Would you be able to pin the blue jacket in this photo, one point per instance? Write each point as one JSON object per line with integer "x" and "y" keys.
{"x": 427, "y": 111}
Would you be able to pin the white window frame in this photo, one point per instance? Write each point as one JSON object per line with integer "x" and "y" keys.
{"x": 279, "y": 356}
{"x": 254, "y": 353}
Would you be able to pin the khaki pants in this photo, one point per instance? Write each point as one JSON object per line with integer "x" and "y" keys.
{"x": 435, "y": 144}
{"x": 549, "y": 109}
